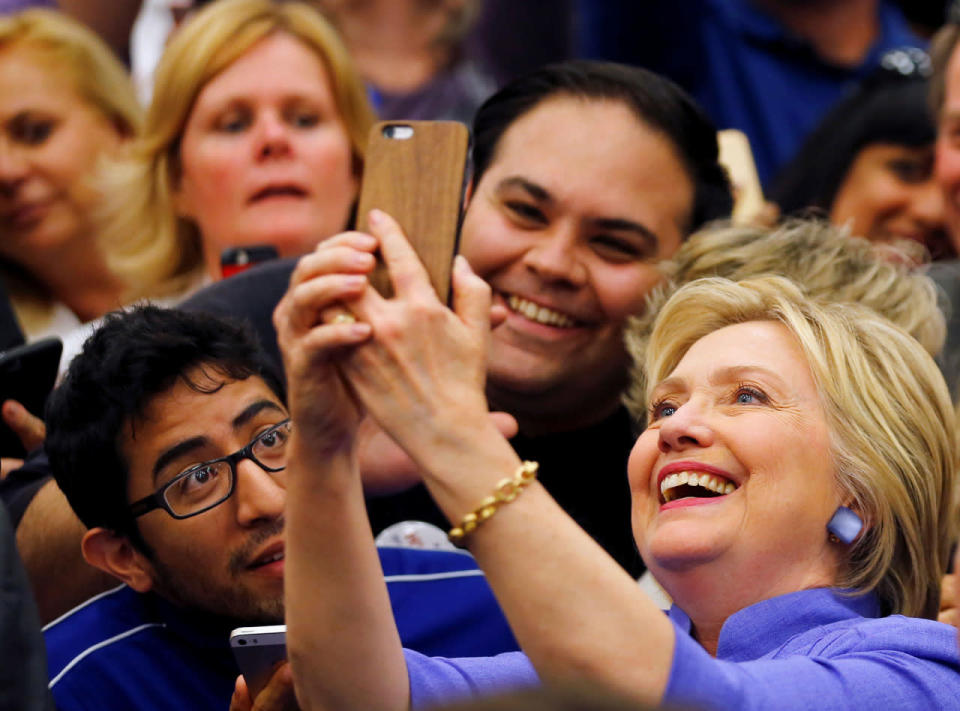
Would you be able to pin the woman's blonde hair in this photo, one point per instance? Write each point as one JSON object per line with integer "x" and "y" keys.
{"x": 825, "y": 261}
{"x": 71, "y": 50}
{"x": 145, "y": 239}
{"x": 892, "y": 425}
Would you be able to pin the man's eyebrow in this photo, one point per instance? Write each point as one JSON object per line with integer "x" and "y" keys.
{"x": 255, "y": 409}
{"x": 188, "y": 445}
{"x": 537, "y": 192}
{"x": 619, "y": 224}
{"x": 176, "y": 451}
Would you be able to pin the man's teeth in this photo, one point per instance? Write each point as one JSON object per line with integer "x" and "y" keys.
{"x": 270, "y": 559}
{"x": 671, "y": 482}
{"x": 540, "y": 314}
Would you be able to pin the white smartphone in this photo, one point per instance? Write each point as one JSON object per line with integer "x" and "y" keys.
{"x": 258, "y": 651}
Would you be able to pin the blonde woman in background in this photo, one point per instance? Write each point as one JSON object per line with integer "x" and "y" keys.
{"x": 255, "y": 136}
{"x": 65, "y": 102}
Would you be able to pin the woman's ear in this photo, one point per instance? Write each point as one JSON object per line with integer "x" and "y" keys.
{"x": 115, "y": 555}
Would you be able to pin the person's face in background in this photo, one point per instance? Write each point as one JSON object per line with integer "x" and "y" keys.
{"x": 889, "y": 194}
{"x": 50, "y": 140}
{"x": 265, "y": 156}
{"x": 948, "y": 148}
{"x": 579, "y": 203}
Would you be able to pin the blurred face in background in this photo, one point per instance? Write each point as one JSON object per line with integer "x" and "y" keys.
{"x": 265, "y": 156}
{"x": 948, "y": 149}
{"x": 890, "y": 194}
{"x": 50, "y": 140}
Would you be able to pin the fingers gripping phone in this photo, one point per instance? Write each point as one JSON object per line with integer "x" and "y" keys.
{"x": 258, "y": 651}
{"x": 414, "y": 171}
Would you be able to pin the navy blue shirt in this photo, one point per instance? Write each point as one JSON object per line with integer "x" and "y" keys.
{"x": 123, "y": 650}
{"x": 741, "y": 65}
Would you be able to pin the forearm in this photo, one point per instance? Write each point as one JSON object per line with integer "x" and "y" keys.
{"x": 48, "y": 538}
{"x": 342, "y": 638}
{"x": 573, "y": 610}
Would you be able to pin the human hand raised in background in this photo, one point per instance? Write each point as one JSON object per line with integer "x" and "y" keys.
{"x": 29, "y": 428}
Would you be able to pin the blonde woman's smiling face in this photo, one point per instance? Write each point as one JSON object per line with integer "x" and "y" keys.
{"x": 735, "y": 473}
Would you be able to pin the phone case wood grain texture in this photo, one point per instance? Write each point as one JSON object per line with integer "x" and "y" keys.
{"x": 419, "y": 181}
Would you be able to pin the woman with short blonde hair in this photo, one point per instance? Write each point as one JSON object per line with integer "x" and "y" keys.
{"x": 888, "y": 410}
{"x": 824, "y": 260}
{"x": 793, "y": 493}
{"x": 160, "y": 251}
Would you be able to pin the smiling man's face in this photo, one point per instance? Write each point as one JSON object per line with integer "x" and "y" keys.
{"x": 227, "y": 561}
{"x": 567, "y": 224}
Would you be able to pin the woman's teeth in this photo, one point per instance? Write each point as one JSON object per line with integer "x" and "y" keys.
{"x": 540, "y": 314}
{"x": 670, "y": 486}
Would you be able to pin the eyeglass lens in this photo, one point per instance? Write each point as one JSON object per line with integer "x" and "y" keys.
{"x": 206, "y": 485}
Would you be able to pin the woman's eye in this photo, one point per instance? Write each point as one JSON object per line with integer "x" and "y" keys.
{"x": 911, "y": 171}
{"x": 750, "y": 396}
{"x": 233, "y": 122}
{"x": 304, "y": 119}
{"x": 32, "y": 132}
{"x": 662, "y": 409}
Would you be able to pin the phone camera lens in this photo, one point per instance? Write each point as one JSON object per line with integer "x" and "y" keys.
{"x": 241, "y": 642}
{"x": 398, "y": 132}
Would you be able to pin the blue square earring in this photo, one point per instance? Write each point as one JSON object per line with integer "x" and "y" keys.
{"x": 844, "y": 525}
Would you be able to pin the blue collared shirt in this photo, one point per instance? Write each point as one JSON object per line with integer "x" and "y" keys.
{"x": 810, "y": 650}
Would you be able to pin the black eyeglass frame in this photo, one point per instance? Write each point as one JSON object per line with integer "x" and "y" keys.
{"x": 157, "y": 500}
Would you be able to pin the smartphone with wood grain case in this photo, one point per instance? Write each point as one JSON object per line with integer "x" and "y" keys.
{"x": 414, "y": 171}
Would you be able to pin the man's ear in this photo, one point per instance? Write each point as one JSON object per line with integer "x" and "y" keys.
{"x": 115, "y": 554}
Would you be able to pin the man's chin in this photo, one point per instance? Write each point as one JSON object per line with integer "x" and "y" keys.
{"x": 228, "y": 606}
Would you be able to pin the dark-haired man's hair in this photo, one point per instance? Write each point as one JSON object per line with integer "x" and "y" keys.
{"x": 133, "y": 357}
{"x": 657, "y": 102}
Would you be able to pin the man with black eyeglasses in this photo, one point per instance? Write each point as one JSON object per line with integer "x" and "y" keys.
{"x": 168, "y": 437}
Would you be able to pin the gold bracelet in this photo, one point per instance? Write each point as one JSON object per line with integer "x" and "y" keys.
{"x": 505, "y": 492}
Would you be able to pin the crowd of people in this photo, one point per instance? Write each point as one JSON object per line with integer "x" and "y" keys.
{"x": 646, "y": 455}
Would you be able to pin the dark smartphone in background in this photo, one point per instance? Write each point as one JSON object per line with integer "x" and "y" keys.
{"x": 27, "y": 375}
{"x": 234, "y": 260}
{"x": 414, "y": 171}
